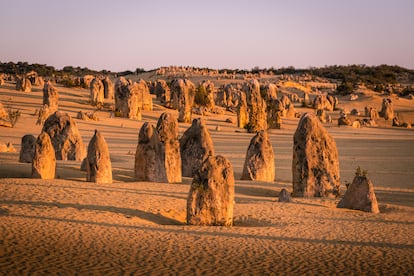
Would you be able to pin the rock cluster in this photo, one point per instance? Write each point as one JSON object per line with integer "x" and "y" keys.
{"x": 162, "y": 91}
{"x": 315, "y": 164}
{"x": 211, "y": 197}
{"x": 182, "y": 98}
{"x": 195, "y": 146}
{"x": 132, "y": 98}
{"x": 260, "y": 159}
{"x": 65, "y": 137}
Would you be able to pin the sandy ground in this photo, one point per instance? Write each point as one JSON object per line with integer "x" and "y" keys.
{"x": 70, "y": 226}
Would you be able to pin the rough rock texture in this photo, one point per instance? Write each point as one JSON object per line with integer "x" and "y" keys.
{"x": 230, "y": 96}
{"x": 162, "y": 91}
{"x": 23, "y": 84}
{"x": 343, "y": 120}
{"x": 144, "y": 93}
{"x": 50, "y": 96}
{"x": 210, "y": 91}
{"x": 3, "y": 113}
{"x": 44, "y": 113}
{"x": 360, "y": 196}
{"x": 86, "y": 81}
{"x": 35, "y": 79}
{"x": 109, "y": 88}
{"x": 322, "y": 102}
{"x": 132, "y": 98}
{"x": 98, "y": 162}
{"x": 195, "y": 146}
{"x": 371, "y": 112}
{"x": 269, "y": 92}
{"x": 167, "y": 128}
{"x": 260, "y": 159}
{"x": 65, "y": 137}
{"x": 315, "y": 165}
{"x": 387, "y": 109}
{"x": 44, "y": 160}
{"x": 284, "y": 196}
{"x": 257, "y": 107}
{"x": 97, "y": 92}
{"x": 149, "y": 156}
{"x": 182, "y": 98}
{"x": 322, "y": 116}
{"x": 242, "y": 112}
{"x": 211, "y": 197}
{"x": 7, "y": 147}
{"x": 27, "y": 148}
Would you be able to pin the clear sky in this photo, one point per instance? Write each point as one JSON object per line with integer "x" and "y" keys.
{"x": 127, "y": 34}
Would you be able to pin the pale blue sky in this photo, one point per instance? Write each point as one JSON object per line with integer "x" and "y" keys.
{"x": 126, "y": 34}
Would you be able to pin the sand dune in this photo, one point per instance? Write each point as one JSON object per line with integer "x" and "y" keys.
{"x": 70, "y": 226}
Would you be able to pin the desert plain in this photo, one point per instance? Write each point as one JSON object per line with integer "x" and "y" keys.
{"x": 68, "y": 226}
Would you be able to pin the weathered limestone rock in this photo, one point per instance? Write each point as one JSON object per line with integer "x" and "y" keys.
{"x": 23, "y": 84}
{"x": 98, "y": 161}
{"x": 306, "y": 99}
{"x": 322, "y": 116}
{"x": 259, "y": 164}
{"x": 343, "y": 120}
{"x": 211, "y": 197}
{"x": 167, "y": 128}
{"x": 242, "y": 112}
{"x": 65, "y": 137}
{"x": 3, "y": 113}
{"x": 108, "y": 88}
{"x": 8, "y": 147}
{"x": 44, "y": 113}
{"x": 195, "y": 146}
{"x": 27, "y": 148}
{"x": 210, "y": 90}
{"x": 294, "y": 98}
{"x": 257, "y": 107}
{"x": 86, "y": 81}
{"x": 50, "y": 96}
{"x": 269, "y": 92}
{"x": 132, "y": 98}
{"x": 182, "y": 98}
{"x": 322, "y": 102}
{"x": 387, "y": 109}
{"x": 315, "y": 165}
{"x": 144, "y": 93}
{"x": 149, "y": 156}
{"x": 371, "y": 112}
{"x": 360, "y": 196}
{"x": 97, "y": 92}
{"x": 44, "y": 160}
{"x": 284, "y": 196}
{"x": 162, "y": 91}
{"x": 35, "y": 79}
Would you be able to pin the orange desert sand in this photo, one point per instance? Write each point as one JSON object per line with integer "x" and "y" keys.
{"x": 70, "y": 226}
